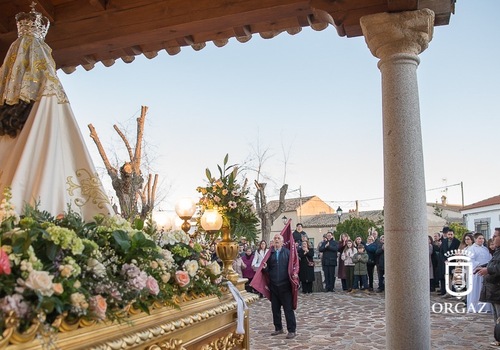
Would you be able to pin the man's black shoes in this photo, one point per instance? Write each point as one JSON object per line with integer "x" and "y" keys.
{"x": 277, "y": 332}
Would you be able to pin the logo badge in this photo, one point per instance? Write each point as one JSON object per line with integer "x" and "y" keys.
{"x": 461, "y": 280}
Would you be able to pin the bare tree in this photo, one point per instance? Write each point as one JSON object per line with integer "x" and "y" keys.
{"x": 127, "y": 181}
{"x": 266, "y": 217}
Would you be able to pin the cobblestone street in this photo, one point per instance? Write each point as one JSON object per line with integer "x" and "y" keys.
{"x": 357, "y": 321}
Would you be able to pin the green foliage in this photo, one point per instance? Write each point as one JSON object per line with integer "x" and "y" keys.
{"x": 358, "y": 227}
{"x": 458, "y": 229}
{"x": 438, "y": 211}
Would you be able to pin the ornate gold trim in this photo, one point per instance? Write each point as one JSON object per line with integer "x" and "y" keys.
{"x": 225, "y": 343}
{"x": 147, "y": 327}
{"x": 171, "y": 344}
{"x": 90, "y": 187}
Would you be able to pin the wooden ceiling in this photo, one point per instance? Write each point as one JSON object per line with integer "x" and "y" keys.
{"x": 85, "y": 32}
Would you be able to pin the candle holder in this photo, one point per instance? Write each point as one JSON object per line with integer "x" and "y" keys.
{"x": 226, "y": 249}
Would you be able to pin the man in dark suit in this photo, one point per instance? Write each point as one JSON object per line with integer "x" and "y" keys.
{"x": 449, "y": 243}
{"x": 280, "y": 287}
{"x": 329, "y": 249}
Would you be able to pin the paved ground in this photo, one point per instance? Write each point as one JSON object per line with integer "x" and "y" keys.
{"x": 345, "y": 321}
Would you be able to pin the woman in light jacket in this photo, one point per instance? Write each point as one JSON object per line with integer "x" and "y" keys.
{"x": 259, "y": 255}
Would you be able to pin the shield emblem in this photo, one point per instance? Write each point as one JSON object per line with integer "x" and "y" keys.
{"x": 461, "y": 280}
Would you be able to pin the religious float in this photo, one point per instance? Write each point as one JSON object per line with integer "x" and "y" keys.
{"x": 87, "y": 279}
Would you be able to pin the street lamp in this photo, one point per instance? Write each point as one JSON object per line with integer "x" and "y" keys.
{"x": 339, "y": 213}
{"x": 285, "y": 219}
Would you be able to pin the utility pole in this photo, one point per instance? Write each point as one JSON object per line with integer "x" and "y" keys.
{"x": 462, "y": 189}
{"x": 300, "y": 203}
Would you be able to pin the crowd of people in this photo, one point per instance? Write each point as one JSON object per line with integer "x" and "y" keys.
{"x": 354, "y": 262}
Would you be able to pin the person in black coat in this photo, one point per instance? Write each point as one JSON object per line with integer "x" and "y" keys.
{"x": 298, "y": 234}
{"x": 449, "y": 243}
{"x": 306, "y": 269}
{"x": 329, "y": 248}
{"x": 380, "y": 262}
{"x": 490, "y": 291}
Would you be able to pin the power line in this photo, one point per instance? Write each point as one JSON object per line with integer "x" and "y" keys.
{"x": 351, "y": 202}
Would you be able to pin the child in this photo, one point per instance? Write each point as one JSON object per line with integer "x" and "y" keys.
{"x": 360, "y": 269}
{"x": 346, "y": 257}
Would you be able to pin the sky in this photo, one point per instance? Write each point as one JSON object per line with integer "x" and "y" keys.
{"x": 312, "y": 103}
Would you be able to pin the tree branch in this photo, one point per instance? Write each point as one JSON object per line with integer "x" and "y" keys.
{"x": 111, "y": 170}
{"x": 140, "y": 135}
{"x": 125, "y": 141}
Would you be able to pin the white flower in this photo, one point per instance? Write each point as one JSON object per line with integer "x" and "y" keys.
{"x": 165, "y": 278}
{"x": 214, "y": 268}
{"x": 41, "y": 282}
{"x": 96, "y": 267}
{"x": 191, "y": 267}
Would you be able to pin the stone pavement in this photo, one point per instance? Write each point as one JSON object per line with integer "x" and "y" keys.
{"x": 355, "y": 321}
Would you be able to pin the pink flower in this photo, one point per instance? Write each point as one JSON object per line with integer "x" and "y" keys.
{"x": 152, "y": 285}
{"x": 232, "y": 204}
{"x": 98, "y": 307}
{"x": 4, "y": 263}
{"x": 182, "y": 278}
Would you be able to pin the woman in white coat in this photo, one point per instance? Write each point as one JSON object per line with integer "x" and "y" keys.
{"x": 480, "y": 256}
{"x": 259, "y": 255}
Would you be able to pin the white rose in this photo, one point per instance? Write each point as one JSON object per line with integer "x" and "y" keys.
{"x": 191, "y": 266}
{"x": 40, "y": 281}
{"x": 214, "y": 268}
{"x": 96, "y": 267}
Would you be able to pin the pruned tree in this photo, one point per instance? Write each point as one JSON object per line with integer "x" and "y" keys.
{"x": 266, "y": 217}
{"x": 127, "y": 181}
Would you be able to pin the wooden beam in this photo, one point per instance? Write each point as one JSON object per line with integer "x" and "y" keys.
{"x": 47, "y": 9}
{"x": 402, "y": 5}
{"x": 99, "y": 4}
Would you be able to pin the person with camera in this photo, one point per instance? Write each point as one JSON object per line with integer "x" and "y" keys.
{"x": 329, "y": 248}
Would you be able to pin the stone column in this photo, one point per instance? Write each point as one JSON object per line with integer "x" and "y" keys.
{"x": 397, "y": 39}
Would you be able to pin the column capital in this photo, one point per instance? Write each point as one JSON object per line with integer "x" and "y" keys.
{"x": 408, "y": 32}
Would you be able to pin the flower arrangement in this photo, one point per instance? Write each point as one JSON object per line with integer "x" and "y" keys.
{"x": 231, "y": 199}
{"x": 61, "y": 266}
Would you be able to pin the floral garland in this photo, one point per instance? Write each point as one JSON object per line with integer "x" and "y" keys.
{"x": 52, "y": 266}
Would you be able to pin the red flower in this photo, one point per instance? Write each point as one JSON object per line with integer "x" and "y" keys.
{"x": 4, "y": 263}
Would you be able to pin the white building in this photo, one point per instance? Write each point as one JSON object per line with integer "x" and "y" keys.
{"x": 483, "y": 216}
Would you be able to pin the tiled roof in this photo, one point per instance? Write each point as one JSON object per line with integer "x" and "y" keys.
{"x": 484, "y": 203}
{"x": 291, "y": 204}
{"x": 331, "y": 220}
{"x": 451, "y": 207}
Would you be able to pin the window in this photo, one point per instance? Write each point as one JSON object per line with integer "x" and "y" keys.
{"x": 482, "y": 226}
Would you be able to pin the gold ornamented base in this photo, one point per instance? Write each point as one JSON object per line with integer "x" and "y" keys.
{"x": 201, "y": 323}
{"x": 227, "y": 250}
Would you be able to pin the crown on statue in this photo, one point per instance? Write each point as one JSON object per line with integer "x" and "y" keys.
{"x": 32, "y": 23}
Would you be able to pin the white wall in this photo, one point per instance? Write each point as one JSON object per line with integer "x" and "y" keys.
{"x": 490, "y": 214}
